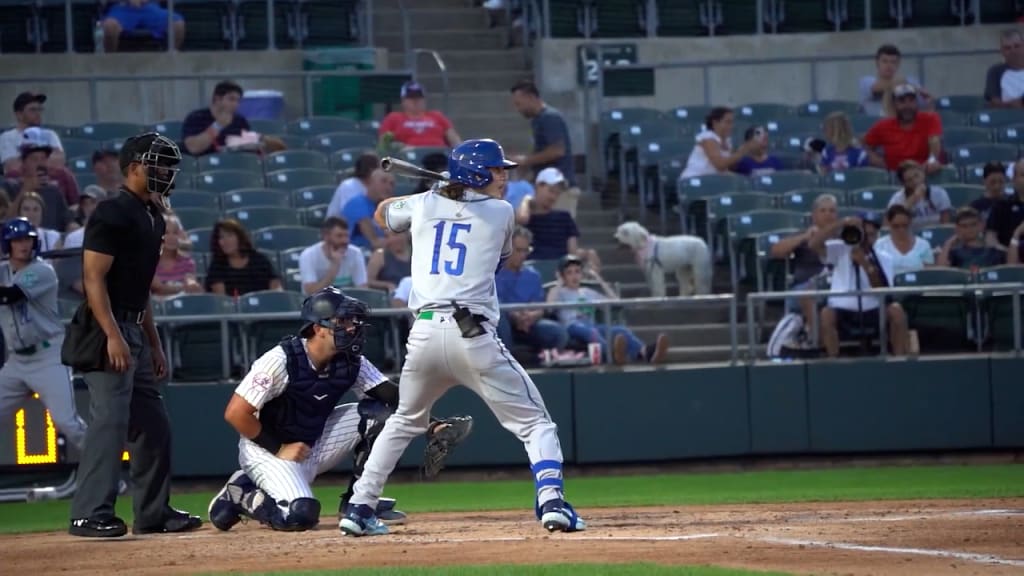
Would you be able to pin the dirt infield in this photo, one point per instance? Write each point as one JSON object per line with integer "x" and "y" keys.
{"x": 871, "y": 538}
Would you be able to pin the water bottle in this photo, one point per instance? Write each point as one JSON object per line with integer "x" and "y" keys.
{"x": 97, "y": 37}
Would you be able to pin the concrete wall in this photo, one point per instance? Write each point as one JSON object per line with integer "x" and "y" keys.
{"x": 790, "y": 83}
{"x": 129, "y": 100}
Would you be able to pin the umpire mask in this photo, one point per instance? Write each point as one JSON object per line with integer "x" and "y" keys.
{"x": 159, "y": 156}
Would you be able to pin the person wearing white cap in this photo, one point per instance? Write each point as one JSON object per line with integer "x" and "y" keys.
{"x": 554, "y": 231}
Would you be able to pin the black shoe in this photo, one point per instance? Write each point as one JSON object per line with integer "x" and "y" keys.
{"x": 175, "y": 521}
{"x": 89, "y": 528}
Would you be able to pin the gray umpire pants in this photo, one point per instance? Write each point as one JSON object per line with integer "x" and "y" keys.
{"x": 126, "y": 408}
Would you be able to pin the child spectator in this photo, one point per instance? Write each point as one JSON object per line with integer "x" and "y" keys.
{"x": 757, "y": 160}
{"x": 176, "y": 270}
{"x": 32, "y": 206}
{"x": 969, "y": 248}
{"x": 840, "y": 152}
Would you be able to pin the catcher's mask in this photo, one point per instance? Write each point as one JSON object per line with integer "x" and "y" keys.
{"x": 344, "y": 315}
{"x": 159, "y": 155}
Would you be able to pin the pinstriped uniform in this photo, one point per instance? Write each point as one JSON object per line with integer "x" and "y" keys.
{"x": 285, "y": 480}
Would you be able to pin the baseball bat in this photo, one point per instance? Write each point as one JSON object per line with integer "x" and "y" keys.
{"x": 409, "y": 170}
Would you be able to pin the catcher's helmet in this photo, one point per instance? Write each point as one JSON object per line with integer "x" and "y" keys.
{"x": 19, "y": 228}
{"x": 468, "y": 162}
{"x": 159, "y": 155}
{"x": 329, "y": 305}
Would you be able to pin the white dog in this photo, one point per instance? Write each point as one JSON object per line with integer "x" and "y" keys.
{"x": 687, "y": 256}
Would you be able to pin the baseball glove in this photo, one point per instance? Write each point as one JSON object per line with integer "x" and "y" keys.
{"x": 442, "y": 436}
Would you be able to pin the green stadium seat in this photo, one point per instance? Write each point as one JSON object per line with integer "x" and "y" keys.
{"x": 371, "y": 126}
{"x": 288, "y": 159}
{"x": 289, "y": 259}
{"x": 169, "y": 128}
{"x": 718, "y": 208}
{"x": 219, "y": 181}
{"x": 250, "y": 197}
{"x": 416, "y": 154}
{"x": 285, "y": 237}
{"x": 195, "y": 199}
{"x": 692, "y": 116}
{"x": 742, "y": 231}
{"x": 713, "y": 185}
{"x": 619, "y": 18}
{"x": 79, "y": 147}
{"x": 856, "y": 178}
{"x": 682, "y": 19}
{"x": 965, "y": 103}
{"x": 938, "y": 234}
{"x": 548, "y": 269}
{"x": 201, "y": 258}
{"x": 947, "y": 175}
{"x": 822, "y": 108}
{"x": 252, "y": 22}
{"x": 760, "y": 113}
{"x": 792, "y": 141}
{"x": 870, "y": 198}
{"x": 963, "y": 194}
{"x": 291, "y": 141}
{"x": 651, "y": 155}
{"x": 100, "y": 131}
{"x": 245, "y": 161}
{"x": 941, "y": 320}
{"x": 312, "y": 196}
{"x": 333, "y": 141}
{"x": 802, "y": 200}
{"x": 770, "y": 272}
{"x": 737, "y": 18}
{"x": 793, "y": 159}
{"x": 200, "y": 238}
{"x": 994, "y": 118}
{"x": 313, "y": 216}
{"x": 310, "y": 127}
{"x": 192, "y": 218}
{"x": 262, "y": 335}
{"x": 300, "y": 178}
{"x": 956, "y": 136}
{"x": 789, "y": 125}
{"x": 265, "y": 126}
{"x": 952, "y": 118}
{"x": 999, "y": 305}
{"x": 207, "y": 29}
{"x": 292, "y": 280}
{"x": 80, "y": 164}
{"x": 329, "y": 22}
{"x": 974, "y": 174}
{"x": 1012, "y": 134}
{"x": 566, "y": 18}
{"x": 197, "y": 343}
{"x": 343, "y": 160}
{"x": 784, "y": 181}
{"x": 861, "y": 123}
{"x": 257, "y": 217}
{"x": 981, "y": 153}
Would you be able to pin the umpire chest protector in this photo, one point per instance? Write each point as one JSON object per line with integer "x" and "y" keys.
{"x": 300, "y": 412}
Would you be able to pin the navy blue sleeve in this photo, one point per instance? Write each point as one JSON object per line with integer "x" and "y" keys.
{"x": 744, "y": 166}
{"x": 194, "y": 124}
{"x": 552, "y": 130}
{"x": 570, "y": 225}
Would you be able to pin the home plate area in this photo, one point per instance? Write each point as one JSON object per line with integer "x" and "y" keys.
{"x": 869, "y": 538}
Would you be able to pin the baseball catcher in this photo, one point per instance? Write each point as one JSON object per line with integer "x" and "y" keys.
{"x": 292, "y": 428}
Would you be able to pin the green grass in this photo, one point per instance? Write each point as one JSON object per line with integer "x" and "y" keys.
{"x": 876, "y": 483}
{"x": 544, "y": 570}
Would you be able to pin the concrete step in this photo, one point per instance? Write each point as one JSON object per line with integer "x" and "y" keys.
{"x": 691, "y": 335}
{"x": 458, "y": 61}
{"x": 433, "y": 17}
{"x": 510, "y": 130}
{"x": 470, "y": 81}
{"x": 700, "y": 355}
{"x": 465, "y": 40}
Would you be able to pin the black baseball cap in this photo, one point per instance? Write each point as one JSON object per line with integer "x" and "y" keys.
{"x": 103, "y": 154}
{"x": 25, "y": 98}
{"x": 413, "y": 89}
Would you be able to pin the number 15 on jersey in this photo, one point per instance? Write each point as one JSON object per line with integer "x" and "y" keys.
{"x": 454, "y": 266}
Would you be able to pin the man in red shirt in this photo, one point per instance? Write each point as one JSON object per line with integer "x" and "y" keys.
{"x": 910, "y": 135}
{"x": 414, "y": 125}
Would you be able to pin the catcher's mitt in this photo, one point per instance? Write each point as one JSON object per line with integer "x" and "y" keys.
{"x": 442, "y": 436}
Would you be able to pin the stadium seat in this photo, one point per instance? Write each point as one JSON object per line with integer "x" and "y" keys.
{"x": 328, "y": 23}
{"x": 651, "y": 154}
{"x": 266, "y": 126}
{"x": 784, "y": 181}
{"x": 300, "y": 178}
{"x": 981, "y": 153}
{"x": 245, "y": 161}
{"x": 310, "y": 127}
{"x": 288, "y": 159}
{"x": 619, "y": 18}
{"x": 947, "y": 175}
{"x": 258, "y": 217}
{"x": 100, "y": 131}
{"x": 201, "y": 258}
{"x": 285, "y": 237}
{"x": 684, "y": 19}
{"x": 195, "y": 199}
{"x": 870, "y": 198}
{"x": 692, "y": 116}
{"x": 197, "y": 343}
{"x": 963, "y": 194}
{"x": 333, "y": 141}
{"x": 965, "y": 103}
{"x": 312, "y": 196}
{"x": 856, "y": 178}
{"x": 416, "y": 154}
{"x": 941, "y": 320}
{"x": 861, "y": 123}
{"x": 343, "y": 160}
{"x": 742, "y": 231}
{"x": 938, "y": 234}
{"x": 192, "y": 218}
{"x": 79, "y": 147}
{"x": 169, "y": 128}
{"x": 289, "y": 259}
{"x": 803, "y": 200}
{"x": 292, "y": 141}
{"x": 566, "y": 18}
{"x": 999, "y": 305}
{"x": 249, "y": 197}
{"x": 822, "y": 108}
{"x": 792, "y": 141}
{"x": 261, "y": 335}
{"x": 219, "y": 181}
{"x": 252, "y": 24}
{"x": 956, "y": 136}
{"x": 974, "y": 174}
{"x": 787, "y": 125}
{"x": 200, "y": 238}
{"x": 761, "y": 113}
{"x": 1012, "y": 134}
{"x": 80, "y": 164}
{"x": 951, "y": 118}
{"x": 313, "y": 216}
{"x": 718, "y": 208}
{"x": 208, "y": 25}
{"x": 770, "y": 272}
{"x": 994, "y": 118}
{"x": 714, "y": 184}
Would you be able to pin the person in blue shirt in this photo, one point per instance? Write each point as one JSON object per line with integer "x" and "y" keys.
{"x": 838, "y": 151}
{"x": 358, "y": 211}
{"x": 518, "y": 283}
{"x": 758, "y": 161}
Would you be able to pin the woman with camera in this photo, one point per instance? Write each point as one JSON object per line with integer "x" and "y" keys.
{"x": 713, "y": 153}
{"x": 908, "y": 251}
{"x": 929, "y": 204}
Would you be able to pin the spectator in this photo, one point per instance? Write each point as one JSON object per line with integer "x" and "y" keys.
{"x": 5, "y": 205}
{"x": 209, "y": 130}
{"x": 1008, "y": 214}
{"x": 518, "y": 189}
{"x": 840, "y": 151}
{"x": 32, "y": 206}
{"x": 859, "y": 267}
{"x": 354, "y": 185}
{"x": 435, "y": 162}
{"x": 929, "y": 204}
{"x": 359, "y": 211}
{"x": 91, "y": 196}
{"x": 518, "y": 283}
{"x": 581, "y": 325}
{"x": 28, "y": 113}
{"x": 910, "y": 135}
{"x": 400, "y": 298}
{"x": 876, "y": 91}
{"x": 414, "y": 125}
{"x": 1014, "y": 253}
{"x": 390, "y": 264}
{"x": 968, "y": 248}
{"x": 808, "y": 262}
{"x": 1004, "y": 83}
{"x": 552, "y": 147}
{"x": 907, "y": 252}
{"x": 139, "y": 15}
{"x": 554, "y": 231}
{"x": 34, "y": 142}
{"x": 107, "y": 171}
{"x": 176, "y": 270}
{"x": 36, "y": 178}
{"x": 713, "y": 153}
{"x": 757, "y": 160}
{"x": 994, "y": 177}
{"x": 332, "y": 261}
{"x": 236, "y": 267}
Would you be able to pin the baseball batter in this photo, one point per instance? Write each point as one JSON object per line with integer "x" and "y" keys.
{"x": 33, "y": 332}
{"x": 292, "y": 428}
{"x": 460, "y": 234}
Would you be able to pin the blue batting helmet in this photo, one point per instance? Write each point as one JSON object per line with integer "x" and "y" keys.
{"x": 328, "y": 305}
{"x": 468, "y": 162}
{"x": 19, "y": 228}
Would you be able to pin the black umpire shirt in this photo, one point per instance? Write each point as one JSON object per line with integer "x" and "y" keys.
{"x": 132, "y": 231}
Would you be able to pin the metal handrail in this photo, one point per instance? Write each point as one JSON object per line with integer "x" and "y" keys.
{"x": 440, "y": 66}
{"x": 1015, "y": 289}
{"x": 406, "y": 34}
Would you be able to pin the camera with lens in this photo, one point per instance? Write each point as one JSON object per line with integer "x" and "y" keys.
{"x": 851, "y": 234}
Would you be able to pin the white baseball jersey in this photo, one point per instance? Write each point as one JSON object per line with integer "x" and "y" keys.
{"x": 458, "y": 246}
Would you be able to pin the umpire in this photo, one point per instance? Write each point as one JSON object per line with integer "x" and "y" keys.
{"x": 120, "y": 253}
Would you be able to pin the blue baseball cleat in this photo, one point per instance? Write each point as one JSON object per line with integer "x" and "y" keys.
{"x": 226, "y": 507}
{"x": 558, "y": 516}
{"x": 360, "y": 520}
{"x": 386, "y": 512}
